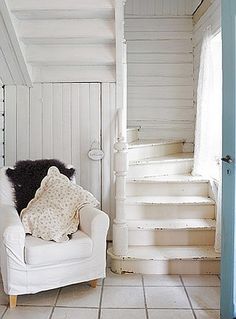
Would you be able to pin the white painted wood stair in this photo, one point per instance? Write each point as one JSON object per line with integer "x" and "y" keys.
{"x": 169, "y": 212}
{"x": 67, "y": 41}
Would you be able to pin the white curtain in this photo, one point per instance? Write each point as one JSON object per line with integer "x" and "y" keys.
{"x": 208, "y": 133}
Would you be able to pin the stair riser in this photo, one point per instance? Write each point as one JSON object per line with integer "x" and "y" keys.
{"x": 166, "y": 189}
{"x": 132, "y": 135}
{"x": 160, "y": 169}
{"x": 166, "y": 267}
{"x": 144, "y": 152}
{"x": 171, "y": 237}
{"x": 169, "y": 211}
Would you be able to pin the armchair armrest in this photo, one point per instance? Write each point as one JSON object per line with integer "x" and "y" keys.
{"x": 94, "y": 223}
{"x": 12, "y": 232}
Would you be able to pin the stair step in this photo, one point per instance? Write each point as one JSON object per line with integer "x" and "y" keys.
{"x": 177, "y": 157}
{"x": 69, "y": 54}
{"x": 132, "y": 134}
{"x": 169, "y": 200}
{"x": 167, "y": 260}
{"x": 174, "y": 164}
{"x": 156, "y": 142}
{"x": 177, "y": 207}
{"x": 173, "y": 224}
{"x": 72, "y": 9}
{"x": 144, "y": 149}
{"x": 178, "y": 185}
{"x": 184, "y": 178}
{"x": 176, "y": 232}
{"x": 66, "y": 41}
{"x": 66, "y": 31}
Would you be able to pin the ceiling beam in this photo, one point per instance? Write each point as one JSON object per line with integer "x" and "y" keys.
{"x": 11, "y": 53}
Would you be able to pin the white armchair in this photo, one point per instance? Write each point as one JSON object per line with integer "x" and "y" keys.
{"x": 30, "y": 265}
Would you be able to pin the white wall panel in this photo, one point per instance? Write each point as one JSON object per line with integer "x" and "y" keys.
{"x": 11, "y": 125}
{"x": 35, "y": 122}
{"x": 47, "y": 115}
{"x": 160, "y": 75}
{"x": 40, "y": 123}
{"x": 65, "y": 121}
{"x": 159, "y": 7}
{"x": 23, "y": 117}
{"x": 164, "y": 24}
{"x": 2, "y": 125}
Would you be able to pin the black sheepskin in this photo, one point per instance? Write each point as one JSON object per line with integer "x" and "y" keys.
{"x": 27, "y": 175}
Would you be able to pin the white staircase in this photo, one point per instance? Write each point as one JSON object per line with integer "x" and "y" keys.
{"x": 67, "y": 40}
{"x": 169, "y": 213}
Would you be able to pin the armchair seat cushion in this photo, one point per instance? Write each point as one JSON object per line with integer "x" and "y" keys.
{"x": 42, "y": 252}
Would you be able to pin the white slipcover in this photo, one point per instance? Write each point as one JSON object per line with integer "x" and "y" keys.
{"x": 44, "y": 252}
{"x": 65, "y": 268}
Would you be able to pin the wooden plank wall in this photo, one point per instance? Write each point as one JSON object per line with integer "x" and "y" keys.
{"x": 158, "y": 7}
{"x": 2, "y": 124}
{"x": 160, "y": 73}
{"x": 211, "y": 18}
{"x": 64, "y": 121}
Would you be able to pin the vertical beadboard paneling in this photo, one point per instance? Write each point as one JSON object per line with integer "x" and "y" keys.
{"x": 11, "y": 125}
{"x": 108, "y": 141}
{"x": 23, "y": 113}
{"x": 159, "y": 7}
{"x": 75, "y": 129}
{"x": 211, "y": 18}
{"x": 85, "y": 141}
{"x": 64, "y": 121}
{"x": 57, "y": 121}
{"x": 94, "y": 127}
{"x": 160, "y": 75}
{"x": 2, "y": 125}
{"x": 35, "y": 122}
{"x": 47, "y": 93}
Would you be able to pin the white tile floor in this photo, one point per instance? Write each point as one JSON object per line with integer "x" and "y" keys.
{"x": 124, "y": 297}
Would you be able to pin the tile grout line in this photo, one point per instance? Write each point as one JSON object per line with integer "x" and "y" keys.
{"x": 54, "y": 305}
{"x": 145, "y": 299}
{"x": 100, "y": 302}
{"x": 194, "y": 315}
{"x": 7, "y": 307}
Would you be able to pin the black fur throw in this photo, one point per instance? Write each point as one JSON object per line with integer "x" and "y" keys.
{"x": 27, "y": 175}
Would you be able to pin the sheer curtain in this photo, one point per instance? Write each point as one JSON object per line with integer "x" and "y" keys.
{"x": 208, "y": 133}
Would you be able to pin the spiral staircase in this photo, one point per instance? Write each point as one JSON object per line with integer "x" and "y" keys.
{"x": 170, "y": 214}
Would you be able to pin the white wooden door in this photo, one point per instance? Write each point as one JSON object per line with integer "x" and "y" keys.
{"x": 55, "y": 120}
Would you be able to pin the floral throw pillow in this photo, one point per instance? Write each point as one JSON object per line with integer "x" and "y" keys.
{"x": 53, "y": 213}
